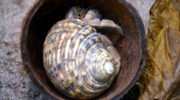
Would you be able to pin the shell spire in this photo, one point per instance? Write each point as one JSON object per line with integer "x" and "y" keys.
{"x": 101, "y": 64}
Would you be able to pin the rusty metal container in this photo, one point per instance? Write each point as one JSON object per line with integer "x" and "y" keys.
{"x": 132, "y": 47}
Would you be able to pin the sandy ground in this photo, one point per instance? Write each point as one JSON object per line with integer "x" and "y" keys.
{"x": 14, "y": 81}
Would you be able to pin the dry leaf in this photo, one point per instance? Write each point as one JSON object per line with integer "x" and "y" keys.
{"x": 162, "y": 70}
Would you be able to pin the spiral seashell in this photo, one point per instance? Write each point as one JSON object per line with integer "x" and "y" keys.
{"x": 77, "y": 59}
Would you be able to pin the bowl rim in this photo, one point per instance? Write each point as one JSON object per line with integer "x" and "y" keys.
{"x": 27, "y": 19}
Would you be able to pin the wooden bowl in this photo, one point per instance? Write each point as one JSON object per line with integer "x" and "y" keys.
{"x": 132, "y": 47}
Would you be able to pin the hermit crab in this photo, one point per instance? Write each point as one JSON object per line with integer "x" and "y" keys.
{"x": 37, "y": 28}
{"x": 80, "y": 61}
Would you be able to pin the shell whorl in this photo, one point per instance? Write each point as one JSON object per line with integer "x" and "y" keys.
{"x": 97, "y": 60}
{"x": 76, "y": 60}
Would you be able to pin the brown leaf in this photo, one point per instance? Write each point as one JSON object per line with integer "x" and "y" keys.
{"x": 163, "y": 62}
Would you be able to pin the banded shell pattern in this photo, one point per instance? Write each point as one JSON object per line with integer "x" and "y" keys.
{"x": 77, "y": 61}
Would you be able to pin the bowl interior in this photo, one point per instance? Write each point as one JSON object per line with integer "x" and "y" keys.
{"x": 45, "y": 13}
